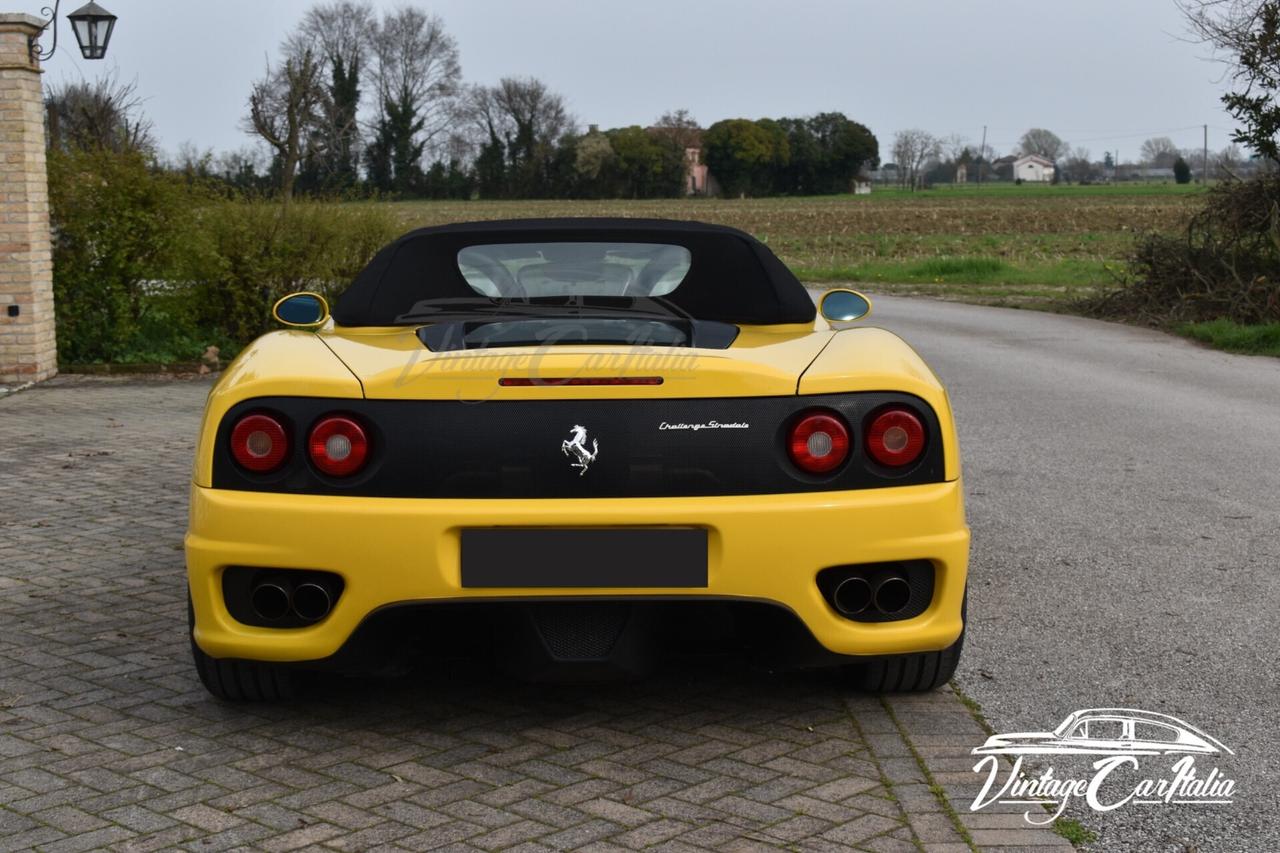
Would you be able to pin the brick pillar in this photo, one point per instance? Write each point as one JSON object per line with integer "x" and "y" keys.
{"x": 27, "y": 348}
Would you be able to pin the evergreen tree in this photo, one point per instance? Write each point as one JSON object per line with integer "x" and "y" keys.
{"x": 491, "y": 169}
{"x": 1181, "y": 171}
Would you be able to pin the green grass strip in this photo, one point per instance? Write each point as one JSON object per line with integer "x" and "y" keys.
{"x": 1251, "y": 339}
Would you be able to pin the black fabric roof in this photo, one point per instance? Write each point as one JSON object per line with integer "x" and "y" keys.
{"x": 733, "y": 277}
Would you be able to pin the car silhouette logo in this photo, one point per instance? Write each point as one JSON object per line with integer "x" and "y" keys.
{"x": 1109, "y": 731}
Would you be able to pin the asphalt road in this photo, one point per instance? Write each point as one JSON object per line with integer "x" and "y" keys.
{"x": 1124, "y": 493}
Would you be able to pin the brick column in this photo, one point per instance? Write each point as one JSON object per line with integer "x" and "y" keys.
{"x": 27, "y": 348}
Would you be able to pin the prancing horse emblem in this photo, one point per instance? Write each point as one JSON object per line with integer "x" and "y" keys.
{"x": 576, "y": 446}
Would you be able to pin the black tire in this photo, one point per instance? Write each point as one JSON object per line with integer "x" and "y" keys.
{"x": 913, "y": 673}
{"x": 238, "y": 680}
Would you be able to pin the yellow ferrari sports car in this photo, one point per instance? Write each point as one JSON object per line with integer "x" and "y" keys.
{"x": 575, "y": 444}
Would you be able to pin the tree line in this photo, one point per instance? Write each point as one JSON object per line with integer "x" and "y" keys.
{"x": 920, "y": 159}
{"x": 361, "y": 103}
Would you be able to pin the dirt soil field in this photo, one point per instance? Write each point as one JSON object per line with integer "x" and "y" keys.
{"x": 1002, "y": 244}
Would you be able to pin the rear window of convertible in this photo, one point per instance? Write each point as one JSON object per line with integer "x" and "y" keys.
{"x": 531, "y": 270}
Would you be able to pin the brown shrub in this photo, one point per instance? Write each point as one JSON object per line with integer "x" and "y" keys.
{"x": 1225, "y": 265}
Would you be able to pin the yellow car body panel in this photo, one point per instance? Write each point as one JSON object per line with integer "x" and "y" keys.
{"x": 394, "y": 365}
{"x": 390, "y": 551}
{"x": 394, "y": 550}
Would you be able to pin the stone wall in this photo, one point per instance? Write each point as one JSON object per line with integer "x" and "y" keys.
{"x": 28, "y": 351}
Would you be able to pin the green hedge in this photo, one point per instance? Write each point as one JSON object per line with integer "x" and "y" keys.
{"x": 149, "y": 267}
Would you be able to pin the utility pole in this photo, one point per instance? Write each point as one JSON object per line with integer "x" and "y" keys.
{"x": 982, "y": 154}
{"x": 1204, "y": 168}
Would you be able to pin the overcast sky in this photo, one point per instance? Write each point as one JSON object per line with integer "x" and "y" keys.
{"x": 1102, "y": 74}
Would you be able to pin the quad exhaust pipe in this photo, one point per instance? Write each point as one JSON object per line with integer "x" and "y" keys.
{"x": 311, "y": 602}
{"x": 870, "y": 591}
{"x": 308, "y": 601}
{"x": 270, "y": 601}
{"x": 892, "y": 593}
{"x": 852, "y": 595}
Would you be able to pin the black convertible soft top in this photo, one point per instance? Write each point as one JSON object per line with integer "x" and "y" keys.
{"x": 732, "y": 278}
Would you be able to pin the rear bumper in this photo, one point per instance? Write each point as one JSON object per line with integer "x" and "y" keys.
{"x": 390, "y": 551}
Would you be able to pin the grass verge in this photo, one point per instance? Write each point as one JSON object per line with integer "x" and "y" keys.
{"x": 1074, "y": 831}
{"x": 939, "y": 793}
{"x": 1259, "y": 339}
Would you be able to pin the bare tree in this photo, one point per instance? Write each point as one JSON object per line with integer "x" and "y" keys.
{"x": 283, "y": 110}
{"x": 103, "y": 114}
{"x": 517, "y": 124}
{"x": 417, "y": 69}
{"x": 1159, "y": 151}
{"x": 1044, "y": 143}
{"x": 680, "y": 127}
{"x": 539, "y": 115}
{"x": 912, "y": 150}
{"x": 480, "y": 108}
{"x": 1078, "y": 166}
{"x": 340, "y": 30}
{"x": 192, "y": 161}
{"x": 1227, "y": 162}
{"x": 954, "y": 146}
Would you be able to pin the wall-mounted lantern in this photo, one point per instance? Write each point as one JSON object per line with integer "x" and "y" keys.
{"x": 91, "y": 24}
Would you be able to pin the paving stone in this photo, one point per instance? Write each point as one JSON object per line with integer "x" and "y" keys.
{"x": 107, "y": 740}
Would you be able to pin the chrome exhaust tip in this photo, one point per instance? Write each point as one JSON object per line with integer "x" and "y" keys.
{"x": 270, "y": 601}
{"x": 311, "y": 602}
{"x": 892, "y": 594}
{"x": 852, "y": 595}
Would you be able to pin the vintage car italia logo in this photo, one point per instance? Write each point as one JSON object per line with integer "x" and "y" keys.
{"x": 1107, "y": 757}
{"x": 575, "y": 447}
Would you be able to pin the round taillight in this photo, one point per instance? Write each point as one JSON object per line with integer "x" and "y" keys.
{"x": 338, "y": 446}
{"x": 259, "y": 443}
{"x": 818, "y": 443}
{"x": 895, "y": 437}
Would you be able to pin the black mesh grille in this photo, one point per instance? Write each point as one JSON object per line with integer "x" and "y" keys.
{"x": 580, "y": 631}
{"x": 516, "y": 448}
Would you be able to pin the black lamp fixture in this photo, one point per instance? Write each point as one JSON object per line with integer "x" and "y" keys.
{"x": 91, "y": 24}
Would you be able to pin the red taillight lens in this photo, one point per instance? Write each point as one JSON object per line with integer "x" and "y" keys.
{"x": 818, "y": 443}
{"x": 338, "y": 446}
{"x": 895, "y": 437}
{"x": 259, "y": 443}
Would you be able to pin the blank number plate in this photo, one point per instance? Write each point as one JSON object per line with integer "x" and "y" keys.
{"x": 584, "y": 557}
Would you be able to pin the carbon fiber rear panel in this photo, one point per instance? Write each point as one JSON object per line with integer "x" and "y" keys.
{"x": 525, "y": 448}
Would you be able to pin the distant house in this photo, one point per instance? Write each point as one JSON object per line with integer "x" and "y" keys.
{"x": 1033, "y": 169}
{"x": 697, "y": 178}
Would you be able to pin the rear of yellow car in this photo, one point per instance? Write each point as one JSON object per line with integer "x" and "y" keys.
{"x": 569, "y": 507}
{"x": 575, "y": 443}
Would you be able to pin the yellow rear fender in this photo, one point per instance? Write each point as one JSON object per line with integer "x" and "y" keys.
{"x": 284, "y": 363}
{"x": 870, "y": 359}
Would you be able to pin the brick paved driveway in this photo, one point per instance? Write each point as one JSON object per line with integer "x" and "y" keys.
{"x": 108, "y": 741}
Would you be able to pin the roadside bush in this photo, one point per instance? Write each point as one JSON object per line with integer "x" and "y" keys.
{"x": 260, "y": 250}
{"x": 120, "y": 230}
{"x": 1226, "y": 264}
{"x": 151, "y": 267}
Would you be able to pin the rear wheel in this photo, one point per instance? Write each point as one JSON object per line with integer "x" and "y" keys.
{"x": 914, "y": 673}
{"x": 238, "y": 680}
